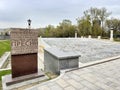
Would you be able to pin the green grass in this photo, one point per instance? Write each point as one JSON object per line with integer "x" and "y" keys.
{"x": 2, "y": 73}
{"x": 4, "y": 46}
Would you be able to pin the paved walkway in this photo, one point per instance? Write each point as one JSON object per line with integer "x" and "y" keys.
{"x": 105, "y": 76}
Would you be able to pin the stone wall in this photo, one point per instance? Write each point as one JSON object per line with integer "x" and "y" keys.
{"x": 56, "y": 60}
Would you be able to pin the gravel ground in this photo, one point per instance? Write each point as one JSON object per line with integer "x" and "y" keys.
{"x": 89, "y": 49}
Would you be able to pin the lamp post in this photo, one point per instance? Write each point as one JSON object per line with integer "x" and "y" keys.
{"x": 29, "y": 24}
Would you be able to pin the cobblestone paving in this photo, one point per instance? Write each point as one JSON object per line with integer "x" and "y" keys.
{"x": 105, "y": 76}
{"x": 89, "y": 49}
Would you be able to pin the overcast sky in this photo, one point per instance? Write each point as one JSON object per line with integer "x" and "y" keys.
{"x": 15, "y": 13}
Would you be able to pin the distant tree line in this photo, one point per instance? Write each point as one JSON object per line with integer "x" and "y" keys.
{"x": 94, "y": 22}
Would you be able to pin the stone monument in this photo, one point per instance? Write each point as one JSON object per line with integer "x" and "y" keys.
{"x": 56, "y": 60}
{"x": 111, "y": 35}
{"x": 24, "y": 62}
{"x": 99, "y": 37}
{"x": 89, "y": 36}
{"x": 24, "y": 48}
{"x": 75, "y": 34}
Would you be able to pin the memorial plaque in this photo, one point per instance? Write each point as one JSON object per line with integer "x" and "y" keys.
{"x": 24, "y": 48}
{"x": 24, "y": 41}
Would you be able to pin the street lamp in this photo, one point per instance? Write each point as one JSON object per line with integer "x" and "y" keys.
{"x": 29, "y": 23}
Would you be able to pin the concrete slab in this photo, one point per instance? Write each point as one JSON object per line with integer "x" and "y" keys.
{"x": 10, "y": 83}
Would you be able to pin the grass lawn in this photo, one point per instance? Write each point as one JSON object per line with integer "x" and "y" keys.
{"x": 2, "y": 73}
{"x": 4, "y": 46}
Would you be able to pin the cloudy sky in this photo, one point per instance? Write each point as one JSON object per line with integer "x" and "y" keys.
{"x": 15, "y": 13}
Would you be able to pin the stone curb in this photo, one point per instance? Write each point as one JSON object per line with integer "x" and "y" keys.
{"x": 4, "y": 58}
{"x": 47, "y": 81}
{"x": 95, "y": 63}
